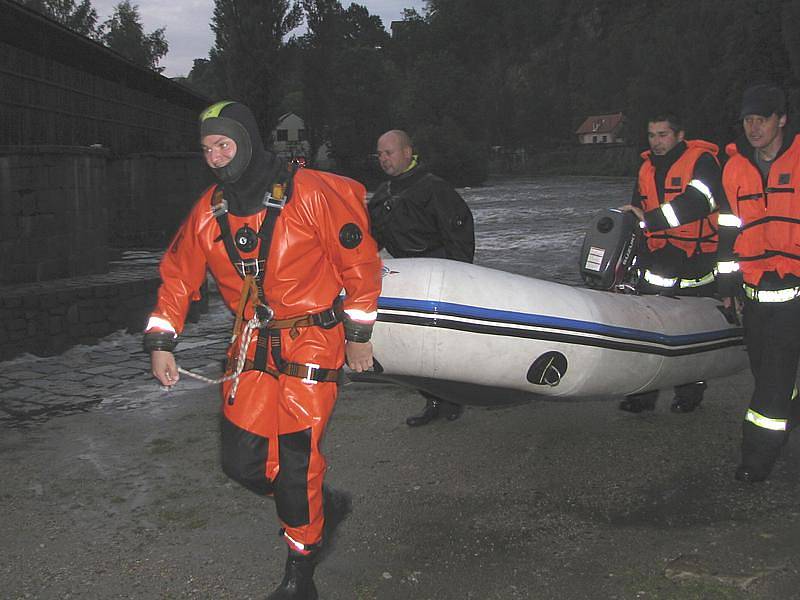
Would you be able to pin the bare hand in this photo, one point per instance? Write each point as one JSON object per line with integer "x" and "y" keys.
{"x": 733, "y": 307}
{"x": 164, "y": 369}
{"x": 634, "y": 209}
{"x": 359, "y": 355}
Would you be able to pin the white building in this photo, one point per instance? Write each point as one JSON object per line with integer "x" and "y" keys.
{"x": 289, "y": 141}
{"x": 602, "y": 129}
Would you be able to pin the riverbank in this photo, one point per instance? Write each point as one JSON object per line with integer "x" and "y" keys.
{"x": 549, "y": 500}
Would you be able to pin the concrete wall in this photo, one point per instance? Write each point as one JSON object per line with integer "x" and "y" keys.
{"x": 150, "y": 195}
{"x": 53, "y": 213}
{"x": 63, "y": 210}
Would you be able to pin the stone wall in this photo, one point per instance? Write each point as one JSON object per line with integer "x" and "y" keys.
{"x": 64, "y": 213}
{"x": 47, "y": 318}
{"x": 53, "y": 213}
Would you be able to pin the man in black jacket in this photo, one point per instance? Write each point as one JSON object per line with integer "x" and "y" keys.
{"x": 416, "y": 214}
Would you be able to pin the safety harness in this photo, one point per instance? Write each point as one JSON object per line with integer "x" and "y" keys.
{"x": 252, "y": 272}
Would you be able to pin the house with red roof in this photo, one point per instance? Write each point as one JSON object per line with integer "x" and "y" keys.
{"x": 602, "y": 129}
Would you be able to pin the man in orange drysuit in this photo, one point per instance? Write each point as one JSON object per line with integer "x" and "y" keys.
{"x": 280, "y": 248}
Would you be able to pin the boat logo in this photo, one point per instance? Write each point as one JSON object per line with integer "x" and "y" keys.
{"x": 387, "y": 271}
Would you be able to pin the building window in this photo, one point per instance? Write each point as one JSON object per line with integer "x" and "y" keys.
{"x": 301, "y": 135}
{"x": 282, "y": 135}
{"x": 594, "y": 139}
{"x": 604, "y": 139}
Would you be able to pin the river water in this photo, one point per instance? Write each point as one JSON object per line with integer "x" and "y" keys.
{"x": 534, "y": 226}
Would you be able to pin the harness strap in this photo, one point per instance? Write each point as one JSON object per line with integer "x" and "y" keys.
{"x": 326, "y": 319}
{"x": 308, "y": 372}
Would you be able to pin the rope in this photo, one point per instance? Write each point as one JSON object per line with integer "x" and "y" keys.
{"x": 244, "y": 343}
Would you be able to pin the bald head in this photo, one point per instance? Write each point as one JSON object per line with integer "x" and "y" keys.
{"x": 395, "y": 152}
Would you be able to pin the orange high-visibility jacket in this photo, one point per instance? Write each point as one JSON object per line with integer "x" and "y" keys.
{"x": 689, "y": 237}
{"x": 769, "y": 239}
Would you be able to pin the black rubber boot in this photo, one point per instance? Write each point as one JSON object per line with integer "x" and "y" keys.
{"x": 639, "y": 402}
{"x": 760, "y": 451}
{"x": 688, "y": 397}
{"x": 428, "y": 414}
{"x": 298, "y": 580}
{"x": 450, "y": 410}
{"x": 336, "y": 507}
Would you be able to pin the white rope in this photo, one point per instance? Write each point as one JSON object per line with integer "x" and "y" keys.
{"x": 244, "y": 343}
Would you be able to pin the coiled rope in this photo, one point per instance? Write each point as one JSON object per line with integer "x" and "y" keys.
{"x": 244, "y": 344}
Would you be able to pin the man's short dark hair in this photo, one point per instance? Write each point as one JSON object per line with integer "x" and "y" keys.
{"x": 675, "y": 122}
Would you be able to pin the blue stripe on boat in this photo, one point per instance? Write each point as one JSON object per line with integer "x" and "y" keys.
{"x": 435, "y": 308}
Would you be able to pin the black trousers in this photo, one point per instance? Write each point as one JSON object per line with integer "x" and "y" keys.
{"x": 772, "y": 337}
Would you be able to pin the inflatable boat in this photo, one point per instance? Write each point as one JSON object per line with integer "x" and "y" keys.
{"x": 476, "y": 335}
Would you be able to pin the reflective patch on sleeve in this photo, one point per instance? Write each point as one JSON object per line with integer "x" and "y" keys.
{"x": 159, "y": 324}
{"x": 361, "y": 315}
{"x": 670, "y": 216}
{"x": 350, "y": 236}
{"x": 706, "y": 191}
{"x": 727, "y": 267}
{"x": 729, "y": 220}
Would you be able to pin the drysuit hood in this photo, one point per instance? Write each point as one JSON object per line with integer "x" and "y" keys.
{"x": 249, "y": 176}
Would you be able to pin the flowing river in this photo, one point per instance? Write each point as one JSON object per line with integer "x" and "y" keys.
{"x": 535, "y": 226}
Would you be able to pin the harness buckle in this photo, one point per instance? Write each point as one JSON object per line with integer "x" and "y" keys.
{"x": 310, "y": 368}
{"x": 271, "y": 202}
{"x": 217, "y": 210}
{"x": 250, "y": 266}
{"x": 328, "y": 319}
{"x": 264, "y": 313}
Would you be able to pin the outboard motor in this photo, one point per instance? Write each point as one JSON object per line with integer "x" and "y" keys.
{"x": 609, "y": 249}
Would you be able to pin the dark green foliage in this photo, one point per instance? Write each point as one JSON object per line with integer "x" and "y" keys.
{"x": 124, "y": 33}
{"x": 469, "y": 75}
{"x": 81, "y": 17}
{"x": 247, "y": 61}
{"x": 344, "y": 79}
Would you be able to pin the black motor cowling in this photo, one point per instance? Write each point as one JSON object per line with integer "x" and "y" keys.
{"x": 609, "y": 249}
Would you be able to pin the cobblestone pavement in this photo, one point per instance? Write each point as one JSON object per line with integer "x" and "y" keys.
{"x": 113, "y": 374}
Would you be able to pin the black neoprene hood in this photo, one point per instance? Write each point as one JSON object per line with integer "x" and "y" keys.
{"x": 235, "y": 121}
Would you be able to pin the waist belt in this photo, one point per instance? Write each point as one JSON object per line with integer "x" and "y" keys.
{"x": 771, "y": 295}
{"x": 325, "y": 319}
{"x": 669, "y": 282}
{"x": 308, "y": 372}
{"x": 269, "y": 339}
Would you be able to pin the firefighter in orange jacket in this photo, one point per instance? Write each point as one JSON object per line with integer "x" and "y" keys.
{"x": 676, "y": 199}
{"x": 281, "y": 249}
{"x": 762, "y": 183}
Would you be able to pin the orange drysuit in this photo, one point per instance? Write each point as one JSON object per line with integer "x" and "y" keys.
{"x": 273, "y": 426}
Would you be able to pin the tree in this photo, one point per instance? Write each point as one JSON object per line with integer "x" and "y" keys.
{"x": 81, "y": 18}
{"x": 124, "y": 33}
{"x": 249, "y": 51}
{"x": 344, "y": 81}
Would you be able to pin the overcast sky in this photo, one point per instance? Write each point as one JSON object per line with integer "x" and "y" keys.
{"x": 189, "y": 34}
